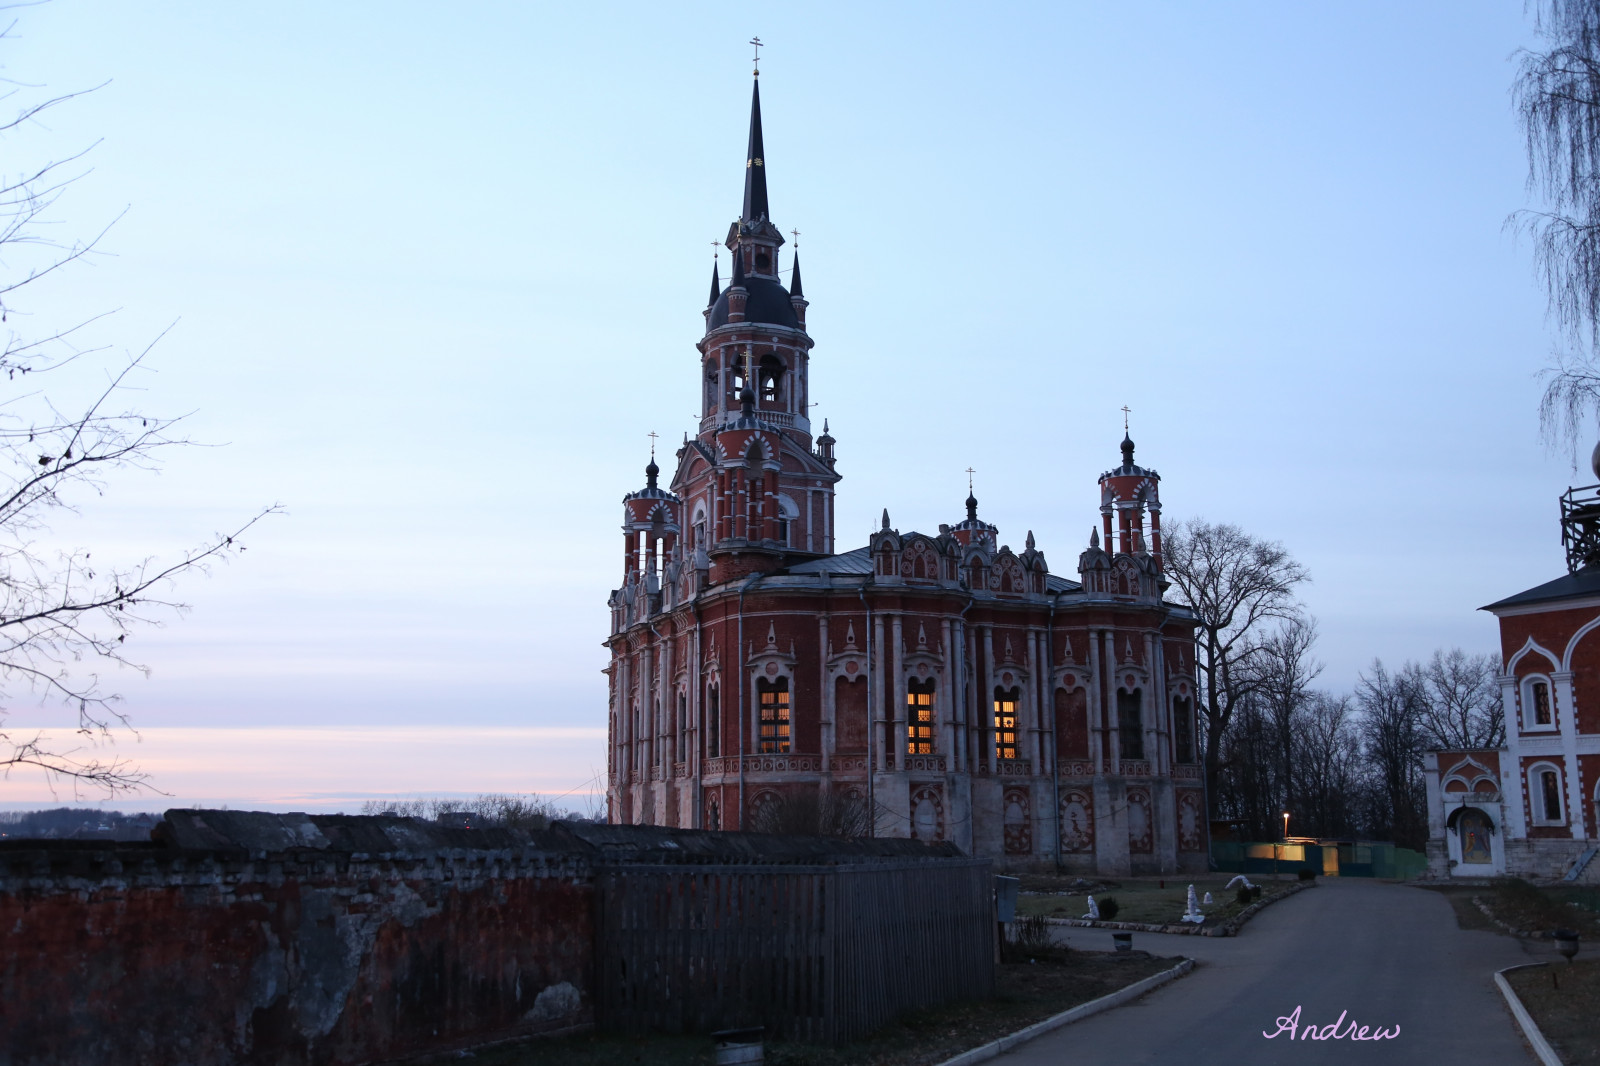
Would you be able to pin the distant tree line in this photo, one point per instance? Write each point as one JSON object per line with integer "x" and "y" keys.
{"x": 1343, "y": 765}
{"x": 76, "y": 823}
{"x": 485, "y": 811}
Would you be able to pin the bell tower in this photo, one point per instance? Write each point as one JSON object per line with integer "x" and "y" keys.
{"x": 754, "y": 482}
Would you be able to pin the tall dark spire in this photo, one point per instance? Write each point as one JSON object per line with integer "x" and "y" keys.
{"x": 799, "y": 294}
{"x": 716, "y": 284}
{"x": 738, "y": 268}
{"x": 755, "y": 171}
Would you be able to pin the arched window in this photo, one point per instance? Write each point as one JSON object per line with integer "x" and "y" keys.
{"x": 713, "y": 814}
{"x": 919, "y": 717}
{"x": 1537, "y": 707}
{"x": 713, "y": 724}
{"x": 788, "y": 512}
{"x": 1005, "y": 722}
{"x": 1545, "y": 794}
{"x": 773, "y": 699}
{"x": 1538, "y": 704}
{"x": 1183, "y": 730}
{"x": 770, "y": 376}
{"x": 1130, "y": 723}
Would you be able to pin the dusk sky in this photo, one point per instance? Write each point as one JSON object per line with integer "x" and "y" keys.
{"x": 437, "y": 273}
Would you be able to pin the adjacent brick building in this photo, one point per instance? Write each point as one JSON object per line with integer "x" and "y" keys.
{"x": 1531, "y": 808}
{"x": 953, "y": 686}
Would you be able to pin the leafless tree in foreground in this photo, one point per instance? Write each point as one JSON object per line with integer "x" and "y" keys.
{"x": 1557, "y": 95}
{"x": 61, "y": 610}
{"x": 1239, "y": 588}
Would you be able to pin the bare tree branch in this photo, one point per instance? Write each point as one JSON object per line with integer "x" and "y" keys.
{"x": 60, "y": 608}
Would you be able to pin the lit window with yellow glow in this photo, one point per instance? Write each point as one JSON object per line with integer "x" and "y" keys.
{"x": 1005, "y": 723}
{"x": 919, "y": 717}
{"x": 774, "y": 701}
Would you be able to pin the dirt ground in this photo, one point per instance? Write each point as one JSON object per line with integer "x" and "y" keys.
{"x": 1565, "y": 1000}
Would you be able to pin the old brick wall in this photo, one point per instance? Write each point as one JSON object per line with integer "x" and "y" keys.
{"x": 287, "y": 939}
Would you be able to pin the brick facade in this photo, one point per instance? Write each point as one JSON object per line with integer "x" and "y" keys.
{"x": 954, "y": 686}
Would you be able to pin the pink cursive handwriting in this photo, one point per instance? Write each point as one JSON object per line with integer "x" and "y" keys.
{"x": 1290, "y": 1023}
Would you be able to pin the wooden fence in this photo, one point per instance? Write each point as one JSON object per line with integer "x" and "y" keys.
{"x": 811, "y": 952}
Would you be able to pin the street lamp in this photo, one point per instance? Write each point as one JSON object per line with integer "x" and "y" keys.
{"x": 1285, "y": 837}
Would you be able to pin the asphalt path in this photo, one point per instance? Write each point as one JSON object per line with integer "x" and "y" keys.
{"x": 1381, "y": 955}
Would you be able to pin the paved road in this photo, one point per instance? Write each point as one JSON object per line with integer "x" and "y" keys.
{"x": 1384, "y": 954}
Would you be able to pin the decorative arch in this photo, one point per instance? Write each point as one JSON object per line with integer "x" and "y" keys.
{"x": 1533, "y": 646}
{"x": 927, "y": 814}
{"x": 1018, "y": 822}
{"x": 1077, "y": 820}
{"x": 1572, "y": 645}
{"x": 1141, "y": 830}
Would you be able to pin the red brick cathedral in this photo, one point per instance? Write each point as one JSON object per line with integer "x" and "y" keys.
{"x": 950, "y": 686}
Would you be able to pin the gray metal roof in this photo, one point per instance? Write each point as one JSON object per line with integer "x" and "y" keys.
{"x": 858, "y": 561}
{"x": 1585, "y": 582}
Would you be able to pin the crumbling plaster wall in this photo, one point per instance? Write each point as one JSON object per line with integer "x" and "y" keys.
{"x": 156, "y": 954}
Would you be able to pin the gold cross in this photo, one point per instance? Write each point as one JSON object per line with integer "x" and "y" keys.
{"x": 652, "y": 436}
{"x": 796, "y": 234}
{"x": 715, "y": 245}
{"x": 970, "y": 472}
{"x": 756, "y": 59}
{"x": 1125, "y": 420}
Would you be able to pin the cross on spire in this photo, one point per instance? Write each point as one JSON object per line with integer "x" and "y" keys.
{"x": 970, "y": 472}
{"x": 652, "y": 435}
{"x": 796, "y": 234}
{"x": 756, "y": 59}
{"x": 1125, "y": 412}
{"x": 715, "y": 247}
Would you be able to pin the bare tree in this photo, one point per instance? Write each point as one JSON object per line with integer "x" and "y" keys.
{"x": 1330, "y": 767}
{"x": 1557, "y": 94}
{"x": 830, "y": 813}
{"x": 1462, "y": 708}
{"x": 1237, "y": 587}
{"x": 1284, "y": 671}
{"x": 1392, "y": 707}
{"x": 59, "y": 606}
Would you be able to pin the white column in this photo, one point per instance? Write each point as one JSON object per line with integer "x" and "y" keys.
{"x": 1567, "y": 715}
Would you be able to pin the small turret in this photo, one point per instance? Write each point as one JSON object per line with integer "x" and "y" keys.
{"x": 825, "y": 445}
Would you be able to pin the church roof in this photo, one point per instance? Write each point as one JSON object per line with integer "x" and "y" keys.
{"x": 767, "y": 301}
{"x": 859, "y": 562}
{"x": 851, "y": 562}
{"x": 1585, "y": 582}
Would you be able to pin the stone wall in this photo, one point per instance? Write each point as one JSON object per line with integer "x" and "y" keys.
{"x": 259, "y": 938}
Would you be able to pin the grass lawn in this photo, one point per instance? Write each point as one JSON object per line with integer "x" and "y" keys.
{"x": 1138, "y": 899}
{"x": 1027, "y": 992}
{"x": 1565, "y": 1000}
{"x": 1533, "y": 908}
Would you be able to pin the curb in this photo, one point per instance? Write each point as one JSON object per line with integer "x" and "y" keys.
{"x": 1530, "y": 1028}
{"x": 1227, "y": 928}
{"x": 996, "y": 1048}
